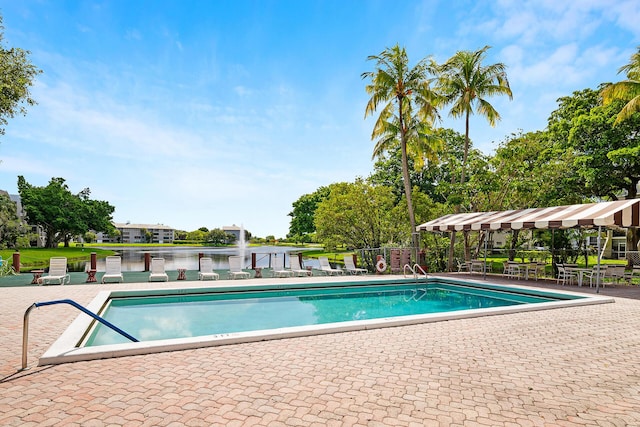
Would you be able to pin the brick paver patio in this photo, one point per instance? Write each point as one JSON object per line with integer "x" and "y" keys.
{"x": 564, "y": 367}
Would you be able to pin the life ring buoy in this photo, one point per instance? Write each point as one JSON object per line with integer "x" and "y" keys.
{"x": 381, "y": 265}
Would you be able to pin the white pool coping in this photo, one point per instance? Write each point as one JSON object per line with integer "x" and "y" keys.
{"x": 65, "y": 349}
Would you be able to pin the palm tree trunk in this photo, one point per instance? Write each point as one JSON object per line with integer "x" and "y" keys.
{"x": 457, "y": 208}
{"x": 466, "y": 149}
{"x": 407, "y": 186}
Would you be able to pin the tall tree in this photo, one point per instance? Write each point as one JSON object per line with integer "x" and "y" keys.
{"x": 627, "y": 90}
{"x": 303, "y": 213}
{"x": 605, "y": 153}
{"x": 62, "y": 214}
{"x": 10, "y": 227}
{"x": 407, "y": 100}
{"x": 16, "y": 77}
{"x": 360, "y": 215}
{"x": 466, "y": 83}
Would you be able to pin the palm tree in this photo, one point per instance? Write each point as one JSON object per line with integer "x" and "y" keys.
{"x": 407, "y": 101}
{"x": 627, "y": 89}
{"x": 423, "y": 142}
{"x": 465, "y": 83}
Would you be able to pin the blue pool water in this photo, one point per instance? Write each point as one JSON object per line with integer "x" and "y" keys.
{"x": 180, "y": 316}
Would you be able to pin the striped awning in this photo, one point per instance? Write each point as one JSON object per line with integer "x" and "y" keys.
{"x": 620, "y": 213}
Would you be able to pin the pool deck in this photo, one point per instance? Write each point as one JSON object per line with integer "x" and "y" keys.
{"x": 574, "y": 366}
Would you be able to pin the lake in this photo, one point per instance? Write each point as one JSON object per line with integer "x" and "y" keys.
{"x": 187, "y": 257}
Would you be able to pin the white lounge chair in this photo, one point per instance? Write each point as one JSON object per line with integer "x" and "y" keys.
{"x": 206, "y": 269}
{"x": 57, "y": 272}
{"x": 296, "y": 268}
{"x": 325, "y": 267}
{"x": 235, "y": 268}
{"x": 113, "y": 269}
{"x": 278, "y": 267}
{"x": 157, "y": 270}
{"x": 350, "y": 266}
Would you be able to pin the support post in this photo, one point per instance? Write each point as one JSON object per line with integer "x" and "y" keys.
{"x": 147, "y": 261}
{"x": 94, "y": 258}
{"x": 16, "y": 262}
{"x": 598, "y": 267}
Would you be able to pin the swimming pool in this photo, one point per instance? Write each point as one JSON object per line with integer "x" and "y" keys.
{"x": 173, "y": 319}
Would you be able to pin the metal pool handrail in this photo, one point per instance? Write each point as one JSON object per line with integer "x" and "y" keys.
{"x": 415, "y": 269}
{"x": 25, "y": 329}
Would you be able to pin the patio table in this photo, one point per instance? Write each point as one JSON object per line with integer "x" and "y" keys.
{"x": 580, "y": 273}
{"x": 37, "y": 274}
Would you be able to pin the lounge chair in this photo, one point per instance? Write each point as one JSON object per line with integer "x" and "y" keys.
{"x": 157, "y": 270}
{"x": 350, "y": 266}
{"x": 57, "y": 272}
{"x": 206, "y": 270}
{"x": 278, "y": 267}
{"x": 235, "y": 268}
{"x": 113, "y": 269}
{"x": 296, "y": 268}
{"x": 326, "y": 268}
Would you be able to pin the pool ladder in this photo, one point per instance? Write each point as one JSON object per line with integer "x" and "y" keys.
{"x": 416, "y": 271}
{"x": 25, "y": 328}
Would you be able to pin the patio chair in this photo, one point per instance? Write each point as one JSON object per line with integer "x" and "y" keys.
{"x": 565, "y": 275}
{"x": 113, "y": 269}
{"x": 635, "y": 272}
{"x": 296, "y": 268}
{"x": 462, "y": 266}
{"x": 511, "y": 270}
{"x": 613, "y": 273}
{"x": 326, "y": 268}
{"x": 157, "y": 270}
{"x": 57, "y": 272}
{"x": 350, "y": 266}
{"x": 206, "y": 269}
{"x": 278, "y": 267}
{"x": 235, "y": 268}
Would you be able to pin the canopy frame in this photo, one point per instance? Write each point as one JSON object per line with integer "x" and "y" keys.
{"x": 615, "y": 214}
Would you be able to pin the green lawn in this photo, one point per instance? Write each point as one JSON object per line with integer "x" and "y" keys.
{"x": 39, "y": 257}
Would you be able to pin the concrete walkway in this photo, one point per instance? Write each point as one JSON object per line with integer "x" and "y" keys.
{"x": 564, "y": 367}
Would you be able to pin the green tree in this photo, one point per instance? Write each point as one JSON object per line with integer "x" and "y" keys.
{"x": 303, "y": 213}
{"x": 360, "y": 215}
{"x": 604, "y": 153}
{"x": 10, "y": 227}
{"x": 17, "y": 74}
{"x": 197, "y": 235}
{"x": 217, "y": 237}
{"x": 465, "y": 83}
{"x": 62, "y": 214}
{"x": 607, "y": 156}
{"x": 148, "y": 236}
{"x": 526, "y": 169}
{"x": 627, "y": 90}
{"x": 408, "y": 105}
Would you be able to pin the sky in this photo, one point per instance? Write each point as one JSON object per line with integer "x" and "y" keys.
{"x": 213, "y": 113}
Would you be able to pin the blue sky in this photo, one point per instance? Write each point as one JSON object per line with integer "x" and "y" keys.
{"x": 213, "y": 113}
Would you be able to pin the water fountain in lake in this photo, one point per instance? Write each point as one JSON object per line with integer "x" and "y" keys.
{"x": 242, "y": 243}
